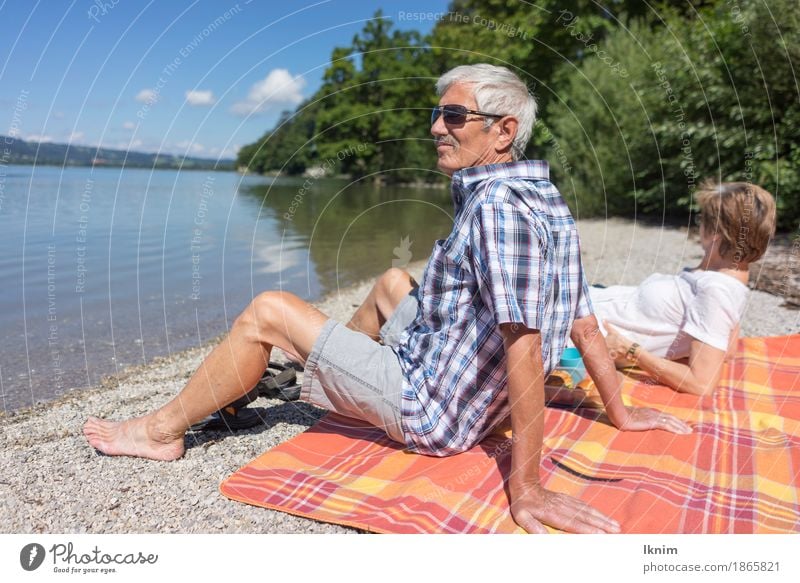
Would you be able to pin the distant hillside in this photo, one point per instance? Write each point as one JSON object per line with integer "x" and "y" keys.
{"x": 15, "y": 151}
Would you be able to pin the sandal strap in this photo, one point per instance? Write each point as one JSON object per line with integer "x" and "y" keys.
{"x": 242, "y": 401}
{"x": 276, "y": 381}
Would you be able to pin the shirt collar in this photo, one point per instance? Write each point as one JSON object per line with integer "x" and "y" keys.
{"x": 466, "y": 180}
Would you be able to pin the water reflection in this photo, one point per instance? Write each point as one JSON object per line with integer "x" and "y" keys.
{"x": 350, "y": 230}
{"x": 106, "y": 268}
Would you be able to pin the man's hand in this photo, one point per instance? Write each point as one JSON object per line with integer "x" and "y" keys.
{"x": 534, "y": 507}
{"x": 531, "y": 505}
{"x": 643, "y": 419}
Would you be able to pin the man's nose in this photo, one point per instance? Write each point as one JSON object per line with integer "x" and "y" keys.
{"x": 439, "y": 128}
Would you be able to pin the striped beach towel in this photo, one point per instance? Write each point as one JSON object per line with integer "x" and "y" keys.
{"x": 738, "y": 472}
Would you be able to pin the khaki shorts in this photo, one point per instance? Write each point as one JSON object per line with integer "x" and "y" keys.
{"x": 349, "y": 373}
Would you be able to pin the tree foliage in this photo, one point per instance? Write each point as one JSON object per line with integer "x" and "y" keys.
{"x": 638, "y": 101}
{"x": 369, "y": 117}
{"x": 712, "y": 97}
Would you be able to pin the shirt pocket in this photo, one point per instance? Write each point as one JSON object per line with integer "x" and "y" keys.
{"x": 454, "y": 249}
{"x": 448, "y": 273}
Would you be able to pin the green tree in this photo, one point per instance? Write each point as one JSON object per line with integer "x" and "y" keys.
{"x": 370, "y": 116}
{"x": 383, "y": 105}
{"x": 285, "y": 148}
{"x": 705, "y": 97}
{"x": 537, "y": 40}
{"x": 638, "y": 101}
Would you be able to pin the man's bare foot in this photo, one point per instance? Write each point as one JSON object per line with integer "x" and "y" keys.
{"x": 134, "y": 437}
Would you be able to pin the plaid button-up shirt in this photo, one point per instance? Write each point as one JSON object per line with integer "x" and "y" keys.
{"x": 513, "y": 256}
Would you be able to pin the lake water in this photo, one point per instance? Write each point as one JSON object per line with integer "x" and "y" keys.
{"x": 106, "y": 268}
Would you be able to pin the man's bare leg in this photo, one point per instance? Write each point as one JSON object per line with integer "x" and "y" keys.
{"x": 386, "y": 294}
{"x": 232, "y": 369}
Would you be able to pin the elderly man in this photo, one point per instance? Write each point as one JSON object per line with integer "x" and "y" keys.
{"x": 469, "y": 346}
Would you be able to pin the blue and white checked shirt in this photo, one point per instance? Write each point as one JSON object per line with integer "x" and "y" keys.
{"x": 513, "y": 256}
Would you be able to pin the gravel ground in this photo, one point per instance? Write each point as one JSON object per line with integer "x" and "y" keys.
{"x": 53, "y": 482}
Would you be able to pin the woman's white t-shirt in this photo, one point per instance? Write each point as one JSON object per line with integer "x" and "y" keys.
{"x": 665, "y": 312}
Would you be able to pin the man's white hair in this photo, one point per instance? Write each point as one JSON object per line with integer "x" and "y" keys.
{"x": 496, "y": 90}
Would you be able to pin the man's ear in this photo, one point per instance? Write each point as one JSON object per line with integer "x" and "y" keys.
{"x": 506, "y": 128}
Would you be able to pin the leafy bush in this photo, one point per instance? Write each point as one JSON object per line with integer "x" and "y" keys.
{"x": 712, "y": 96}
{"x": 638, "y": 101}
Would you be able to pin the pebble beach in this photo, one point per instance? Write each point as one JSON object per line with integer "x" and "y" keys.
{"x": 54, "y": 482}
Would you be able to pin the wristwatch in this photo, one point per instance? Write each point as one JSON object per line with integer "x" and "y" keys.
{"x": 630, "y": 356}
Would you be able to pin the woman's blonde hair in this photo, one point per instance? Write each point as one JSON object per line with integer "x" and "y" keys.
{"x": 742, "y": 214}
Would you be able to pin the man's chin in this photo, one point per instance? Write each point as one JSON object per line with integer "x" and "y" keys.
{"x": 446, "y": 167}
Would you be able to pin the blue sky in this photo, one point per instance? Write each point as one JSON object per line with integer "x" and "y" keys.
{"x": 196, "y": 77}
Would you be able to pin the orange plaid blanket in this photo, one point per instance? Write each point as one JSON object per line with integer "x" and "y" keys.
{"x": 739, "y": 472}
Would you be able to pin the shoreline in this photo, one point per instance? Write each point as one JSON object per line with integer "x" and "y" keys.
{"x": 47, "y": 459}
{"x": 56, "y": 483}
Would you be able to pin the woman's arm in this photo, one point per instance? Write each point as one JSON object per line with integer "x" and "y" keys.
{"x": 733, "y": 342}
{"x": 589, "y": 340}
{"x": 699, "y": 377}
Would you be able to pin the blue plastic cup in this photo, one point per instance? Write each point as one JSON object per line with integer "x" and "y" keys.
{"x": 572, "y": 363}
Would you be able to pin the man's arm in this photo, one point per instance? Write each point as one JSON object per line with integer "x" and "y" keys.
{"x": 589, "y": 340}
{"x": 532, "y": 505}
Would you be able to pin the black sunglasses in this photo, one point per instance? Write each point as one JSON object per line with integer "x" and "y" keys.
{"x": 456, "y": 114}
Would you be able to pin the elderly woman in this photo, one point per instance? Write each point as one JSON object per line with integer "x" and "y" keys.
{"x": 680, "y": 328}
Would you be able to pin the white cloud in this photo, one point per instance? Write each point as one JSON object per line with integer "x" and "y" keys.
{"x": 200, "y": 98}
{"x": 277, "y": 258}
{"x": 127, "y": 145}
{"x": 279, "y": 87}
{"x": 147, "y": 96}
{"x": 191, "y": 147}
{"x": 76, "y": 137}
{"x": 38, "y": 138}
{"x": 217, "y": 152}
{"x": 129, "y": 125}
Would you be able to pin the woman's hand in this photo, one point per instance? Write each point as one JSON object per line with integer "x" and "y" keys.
{"x": 618, "y": 345}
{"x": 644, "y": 419}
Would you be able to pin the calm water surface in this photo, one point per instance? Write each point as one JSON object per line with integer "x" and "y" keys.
{"x": 105, "y": 268}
